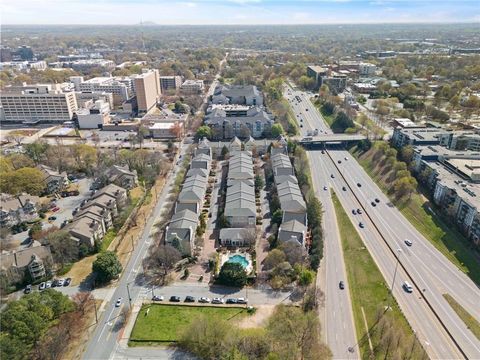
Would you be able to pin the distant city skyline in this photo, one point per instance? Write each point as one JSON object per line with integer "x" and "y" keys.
{"x": 241, "y": 12}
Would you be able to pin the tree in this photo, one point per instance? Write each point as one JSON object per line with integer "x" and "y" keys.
{"x": 142, "y": 133}
{"x": 404, "y": 187}
{"x": 64, "y": 249}
{"x": 203, "y": 132}
{"x": 277, "y": 130}
{"x": 162, "y": 260}
{"x": 342, "y": 122}
{"x": 28, "y": 180}
{"x": 36, "y": 150}
{"x": 295, "y": 252}
{"x": 406, "y": 153}
{"x": 305, "y": 277}
{"x": 259, "y": 183}
{"x": 107, "y": 266}
{"x": 177, "y": 130}
{"x": 20, "y": 160}
{"x": 232, "y": 274}
{"x": 277, "y": 217}
{"x": 225, "y": 152}
{"x": 274, "y": 258}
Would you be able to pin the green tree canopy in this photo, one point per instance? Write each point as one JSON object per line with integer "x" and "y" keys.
{"x": 27, "y": 179}
{"x": 232, "y": 274}
{"x": 204, "y": 131}
{"x": 277, "y": 130}
{"x": 107, "y": 266}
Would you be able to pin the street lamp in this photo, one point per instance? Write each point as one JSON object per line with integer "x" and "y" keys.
{"x": 395, "y": 273}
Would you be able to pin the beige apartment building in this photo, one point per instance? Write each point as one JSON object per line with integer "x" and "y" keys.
{"x": 43, "y": 103}
{"x": 147, "y": 88}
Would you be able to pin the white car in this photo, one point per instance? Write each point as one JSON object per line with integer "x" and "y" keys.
{"x": 242, "y": 300}
{"x": 119, "y": 302}
{"x": 42, "y": 286}
{"x": 48, "y": 285}
{"x": 408, "y": 242}
{"x": 218, "y": 301}
{"x": 204, "y": 300}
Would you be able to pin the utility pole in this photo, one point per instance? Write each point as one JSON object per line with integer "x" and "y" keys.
{"x": 129, "y": 297}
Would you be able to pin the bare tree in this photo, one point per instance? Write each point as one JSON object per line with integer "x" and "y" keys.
{"x": 162, "y": 260}
{"x": 249, "y": 236}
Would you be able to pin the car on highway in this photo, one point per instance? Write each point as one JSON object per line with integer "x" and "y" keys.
{"x": 325, "y": 188}
{"x": 361, "y": 225}
{"x": 344, "y": 188}
{"x": 341, "y": 285}
{"x": 242, "y": 300}
{"x": 306, "y": 109}
{"x": 67, "y": 281}
{"x": 359, "y": 185}
{"x": 408, "y": 242}
{"x": 42, "y": 286}
{"x": 28, "y": 289}
{"x": 218, "y": 301}
{"x": 301, "y": 125}
{"x": 339, "y": 161}
{"x": 231, "y": 301}
{"x": 408, "y": 288}
{"x": 175, "y": 298}
{"x": 354, "y": 212}
{"x": 346, "y": 158}
{"x": 359, "y": 211}
{"x": 118, "y": 302}
{"x": 157, "y": 298}
{"x": 332, "y": 176}
{"x": 204, "y": 300}
{"x": 374, "y": 203}
{"x": 190, "y": 299}
{"x": 377, "y": 200}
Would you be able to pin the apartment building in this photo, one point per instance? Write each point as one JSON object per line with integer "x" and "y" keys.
{"x": 172, "y": 83}
{"x": 192, "y": 87}
{"x": 121, "y": 87}
{"x": 38, "y": 103}
{"x": 147, "y": 90}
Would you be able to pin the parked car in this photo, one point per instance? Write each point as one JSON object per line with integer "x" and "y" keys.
{"x": 175, "y": 298}
{"x": 204, "y": 300}
{"x": 28, "y": 289}
{"x": 189, "y": 299}
{"x": 242, "y": 300}
{"x": 55, "y": 209}
{"x": 157, "y": 298}
{"x": 48, "y": 285}
{"x": 67, "y": 281}
{"x": 52, "y": 218}
{"x": 231, "y": 301}
{"x": 118, "y": 302}
{"x": 341, "y": 285}
{"x": 218, "y": 301}
{"x": 42, "y": 286}
{"x": 408, "y": 242}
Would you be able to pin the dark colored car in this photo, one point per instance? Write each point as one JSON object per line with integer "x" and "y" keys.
{"x": 175, "y": 298}
{"x": 28, "y": 289}
{"x": 190, "y": 299}
{"x": 361, "y": 225}
{"x": 373, "y": 203}
{"x": 332, "y": 176}
{"x": 52, "y": 218}
{"x": 341, "y": 285}
{"x": 359, "y": 211}
{"x": 354, "y": 212}
{"x": 67, "y": 281}
{"x": 339, "y": 161}
{"x": 377, "y": 200}
{"x": 231, "y": 301}
{"x": 344, "y": 188}
{"x": 359, "y": 185}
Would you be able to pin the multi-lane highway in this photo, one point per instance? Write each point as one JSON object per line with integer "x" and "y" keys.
{"x": 337, "y": 317}
{"x": 442, "y": 332}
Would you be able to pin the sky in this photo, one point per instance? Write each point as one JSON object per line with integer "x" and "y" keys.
{"x": 219, "y": 12}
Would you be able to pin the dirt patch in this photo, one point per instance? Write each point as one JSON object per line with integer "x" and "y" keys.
{"x": 259, "y": 319}
{"x": 81, "y": 269}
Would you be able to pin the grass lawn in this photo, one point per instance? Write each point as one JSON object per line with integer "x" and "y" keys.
{"x": 468, "y": 319}
{"x": 164, "y": 323}
{"x": 328, "y": 118}
{"x": 367, "y": 286}
{"x": 107, "y": 239}
{"x": 418, "y": 211}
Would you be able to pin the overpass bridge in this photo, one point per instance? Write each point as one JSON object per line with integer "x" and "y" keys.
{"x": 330, "y": 139}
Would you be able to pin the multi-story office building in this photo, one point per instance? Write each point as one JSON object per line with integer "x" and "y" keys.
{"x": 121, "y": 88}
{"x": 192, "y": 87}
{"x": 170, "y": 83}
{"x": 38, "y": 103}
{"x": 460, "y": 140}
{"x": 147, "y": 89}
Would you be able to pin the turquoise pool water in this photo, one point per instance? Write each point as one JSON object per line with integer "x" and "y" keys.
{"x": 239, "y": 259}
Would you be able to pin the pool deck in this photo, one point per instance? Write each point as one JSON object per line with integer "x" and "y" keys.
{"x": 225, "y": 257}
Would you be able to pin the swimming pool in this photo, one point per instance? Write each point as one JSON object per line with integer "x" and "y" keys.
{"x": 239, "y": 259}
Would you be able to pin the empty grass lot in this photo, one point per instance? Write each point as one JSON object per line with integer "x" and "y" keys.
{"x": 468, "y": 319}
{"x": 368, "y": 290}
{"x": 164, "y": 323}
{"x": 418, "y": 211}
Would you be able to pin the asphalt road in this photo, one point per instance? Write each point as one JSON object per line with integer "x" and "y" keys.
{"x": 104, "y": 338}
{"x": 430, "y": 270}
{"x": 339, "y": 328}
